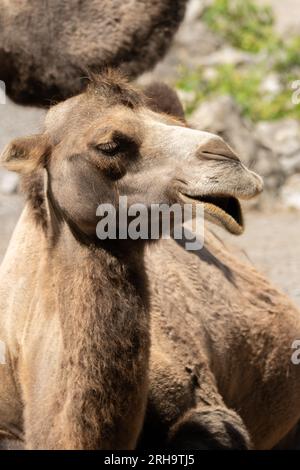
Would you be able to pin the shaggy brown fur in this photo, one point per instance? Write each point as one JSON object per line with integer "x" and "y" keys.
{"x": 163, "y": 99}
{"x": 221, "y": 341}
{"x": 32, "y": 186}
{"x": 74, "y": 315}
{"x": 57, "y": 42}
{"x": 101, "y": 382}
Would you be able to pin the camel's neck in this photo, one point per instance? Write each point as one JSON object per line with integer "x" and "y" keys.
{"x": 102, "y": 303}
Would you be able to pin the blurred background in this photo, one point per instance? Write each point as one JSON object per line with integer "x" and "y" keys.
{"x": 236, "y": 67}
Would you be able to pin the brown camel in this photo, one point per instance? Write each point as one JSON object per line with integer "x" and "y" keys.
{"x": 46, "y": 47}
{"x": 74, "y": 311}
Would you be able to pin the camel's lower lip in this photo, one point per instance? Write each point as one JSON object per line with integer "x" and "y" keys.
{"x": 221, "y": 208}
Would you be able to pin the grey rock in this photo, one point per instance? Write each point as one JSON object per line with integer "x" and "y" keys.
{"x": 194, "y": 10}
{"x": 287, "y": 19}
{"x": 9, "y": 182}
{"x": 222, "y": 116}
{"x": 227, "y": 55}
{"x": 282, "y": 137}
{"x": 16, "y": 121}
{"x": 291, "y": 164}
{"x": 271, "y": 84}
{"x": 290, "y": 193}
{"x": 186, "y": 97}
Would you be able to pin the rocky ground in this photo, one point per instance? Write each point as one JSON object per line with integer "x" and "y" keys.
{"x": 272, "y": 238}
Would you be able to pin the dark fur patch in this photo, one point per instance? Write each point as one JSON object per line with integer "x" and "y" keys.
{"x": 219, "y": 430}
{"x": 32, "y": 186}
{"x": 162, "y": 99}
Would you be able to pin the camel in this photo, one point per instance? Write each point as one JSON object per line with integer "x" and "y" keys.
{"x": 123, "y": 344}
{"x": 46, "y": 47}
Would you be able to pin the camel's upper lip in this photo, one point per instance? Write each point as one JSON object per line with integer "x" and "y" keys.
{"x": 224, "y": 209}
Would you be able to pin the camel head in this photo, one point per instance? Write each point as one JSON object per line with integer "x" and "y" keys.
{"x": 108, "y": 142}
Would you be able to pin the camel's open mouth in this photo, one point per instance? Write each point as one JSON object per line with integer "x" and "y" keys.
{"x": 222, "y": 209}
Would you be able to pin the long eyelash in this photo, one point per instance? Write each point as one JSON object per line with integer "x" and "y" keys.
{"x": 110, "y": 149}
{"x": 108, "y": 146}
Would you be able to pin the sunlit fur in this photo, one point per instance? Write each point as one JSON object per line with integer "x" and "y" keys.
{"x": 78, "y": 317}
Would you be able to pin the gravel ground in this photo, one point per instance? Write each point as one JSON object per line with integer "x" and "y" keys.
{"x": 271, "y": 242}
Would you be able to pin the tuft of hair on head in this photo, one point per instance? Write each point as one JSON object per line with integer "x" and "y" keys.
{"x": 114, "y": 87}
{"x": 163, "y": 99}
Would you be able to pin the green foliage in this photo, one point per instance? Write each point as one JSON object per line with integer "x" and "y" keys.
{"x": 288, "y": 55}
{"x": 243, "y": 23}
{"x": 245, "y": 86}
{"x": 249, "y": 27}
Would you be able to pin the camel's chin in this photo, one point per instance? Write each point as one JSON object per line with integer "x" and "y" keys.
{"x": 224, "y": 210}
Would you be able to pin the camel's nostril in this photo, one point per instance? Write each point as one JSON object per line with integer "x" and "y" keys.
{"x": 216, "y": 148}
{"x": 220, "y": 155}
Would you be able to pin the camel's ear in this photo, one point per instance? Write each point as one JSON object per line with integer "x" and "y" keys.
{"x": 26, "y": 154}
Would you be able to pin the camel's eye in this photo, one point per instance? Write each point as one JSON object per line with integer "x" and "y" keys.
{"x": 110, "y": 148}
{"x": 119, "y": 145}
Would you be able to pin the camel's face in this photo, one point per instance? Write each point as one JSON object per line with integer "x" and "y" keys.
{"x": 107, "y": 143}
